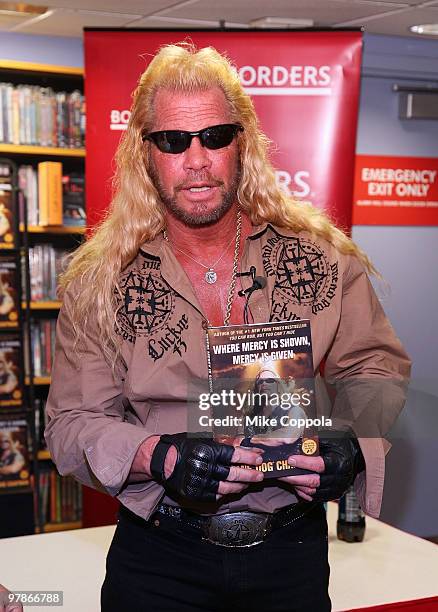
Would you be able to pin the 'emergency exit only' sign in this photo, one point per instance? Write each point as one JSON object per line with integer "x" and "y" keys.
{"x": 395, "y": 190}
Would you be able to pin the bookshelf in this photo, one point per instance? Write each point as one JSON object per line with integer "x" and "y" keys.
{"x": 53, "y": 229}
{"x": 62, "y": 87}
{"x": 34, "y": 150}
{"x": 39, "y": 381}
{"x": 47, "y": 305}
{"x": 28, "y": 67}
{"x": 51, "y": 527}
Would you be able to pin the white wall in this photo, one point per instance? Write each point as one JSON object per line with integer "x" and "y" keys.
{"x": 42, "y": 49}
{"x": 408, "y": 259}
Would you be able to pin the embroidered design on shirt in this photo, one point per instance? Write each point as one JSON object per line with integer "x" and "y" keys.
{"x": 148, "y": 303}
{"x": 281, "y": 310}
{"x": 170, "y": 338}
{"x": 303, "y": 275}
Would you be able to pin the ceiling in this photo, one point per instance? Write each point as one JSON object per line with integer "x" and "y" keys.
{"x": 68, "y": 17}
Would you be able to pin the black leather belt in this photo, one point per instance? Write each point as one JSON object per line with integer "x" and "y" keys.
{"x": 235, "y": 528}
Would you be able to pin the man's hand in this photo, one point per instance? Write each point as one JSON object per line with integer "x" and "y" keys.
{"x": 202, "y": 469}
{"x": 335, "y": 469}
{"x": 305, "y": 485}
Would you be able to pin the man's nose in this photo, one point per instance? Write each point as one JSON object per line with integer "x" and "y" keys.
{"x": 196, "y": 156}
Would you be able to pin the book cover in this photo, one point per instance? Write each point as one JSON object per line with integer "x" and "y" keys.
{"x": 50, "y": 193}
{"x": 2, "y": 132}
{"x": 47, "y": 250}
{"x": 47, "y": 347}
{"x": 45, "y": 496}
{"x": 22, "y": 114}
{"x": 40, "y": 422}
{"x": 53, "y": 496}
{"x": 14, "y": 453}
{"x": 9, "y": 292}
{"x": 9, "y": 116}
{"x": 6, "y": 207}
{"x": 36, "y": 348}
{"x": 15, "y": 117}
{"x": 11, "y": 389}
{"x": 261, "y": 378}
{"x": 28, "y": 184}
{"x": 73, "y": 196}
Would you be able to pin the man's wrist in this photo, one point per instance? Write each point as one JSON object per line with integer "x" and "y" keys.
{"x": 141, "y": 466}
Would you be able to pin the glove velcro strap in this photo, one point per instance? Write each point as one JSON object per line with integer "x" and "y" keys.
{"x": 158, "y": 458}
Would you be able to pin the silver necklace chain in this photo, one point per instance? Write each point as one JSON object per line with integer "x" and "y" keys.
{"x": 212, "y": 279}
{"x": 210, "y": 275}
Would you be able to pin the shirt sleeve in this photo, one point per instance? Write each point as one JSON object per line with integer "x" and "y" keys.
{"x": 86, "y": 433}
{"x": 369, "y": 369}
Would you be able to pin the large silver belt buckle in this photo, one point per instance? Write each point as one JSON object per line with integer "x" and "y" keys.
{"x": 237, "y": 529}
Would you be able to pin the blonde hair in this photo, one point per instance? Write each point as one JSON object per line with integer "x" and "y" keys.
{"x": 136, "y": 214}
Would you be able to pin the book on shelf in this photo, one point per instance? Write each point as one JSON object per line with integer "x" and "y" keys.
{"x": 46, "y": 263}
{"x": 11, "y": 384}
{"x": 6, "y": 207}
{"x": 9, "y": 292}
{"x": 39, "y": 116}
{"x": 40, "y": 415}
{"x": 42, "y": 334}
{"x": 14, "y": 453}
{"x": 50, "y": 193}
{"x": 28, "y": 185}
{"x": 60, "y": 497}
{"x": 73, "y": 199}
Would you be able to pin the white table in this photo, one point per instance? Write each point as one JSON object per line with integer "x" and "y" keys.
{"x": 389, "y": 566}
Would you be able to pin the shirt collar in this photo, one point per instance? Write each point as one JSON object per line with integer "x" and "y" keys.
{"x": 154, "y": 247}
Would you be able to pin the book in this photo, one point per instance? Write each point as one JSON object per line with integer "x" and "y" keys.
{"x": 50, "y": 193}
{"x": 30, "y": 114}
{"x": 42, "y": 334}
{"x": 11, "y": 384}
{"x": 46, "y": 263}
{"x": 60, "y": 497}
{"x": 261, "y": 384}
{"x": 6, "y": 207}
{"x": 14, "y": 453}
{"x": 40, "y": 415}
{"x": 73, "y": 199}
{"x": 28, "y": 184}
{"x": 53, "y": 495}
{"x": 9, "y": 292}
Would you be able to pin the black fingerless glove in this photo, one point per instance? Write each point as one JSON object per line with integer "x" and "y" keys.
{"x": 343, "y": 460}
{"x": 200, "y": 465}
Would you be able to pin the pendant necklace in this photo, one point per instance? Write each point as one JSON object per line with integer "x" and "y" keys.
{"x": 211, "y": 275}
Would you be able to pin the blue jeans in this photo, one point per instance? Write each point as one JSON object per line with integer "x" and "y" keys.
{"x": 168, "y": 568}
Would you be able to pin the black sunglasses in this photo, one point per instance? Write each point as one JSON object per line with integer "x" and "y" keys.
{"x": 177, "y": 141}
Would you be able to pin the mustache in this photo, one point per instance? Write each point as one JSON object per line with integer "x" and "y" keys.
{"x": 199, "y": 178}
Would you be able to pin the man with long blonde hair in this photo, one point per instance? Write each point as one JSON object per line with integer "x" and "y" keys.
{"x": 196, "y": 221}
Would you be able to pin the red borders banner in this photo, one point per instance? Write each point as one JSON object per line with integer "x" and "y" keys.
{"x": 305, "y": 87}
{"x": 395, "y": 190}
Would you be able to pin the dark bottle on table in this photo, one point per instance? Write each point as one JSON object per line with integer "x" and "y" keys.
{"x": 351, "y": 519}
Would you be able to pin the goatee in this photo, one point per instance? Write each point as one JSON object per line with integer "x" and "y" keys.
{"x": 200, "y": 214}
